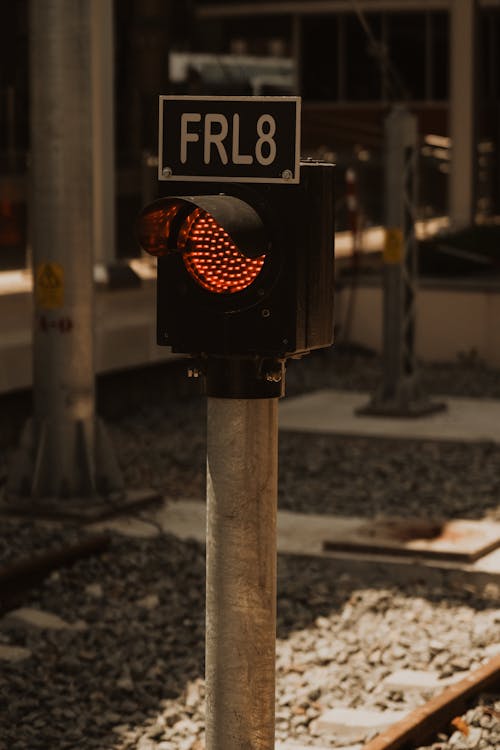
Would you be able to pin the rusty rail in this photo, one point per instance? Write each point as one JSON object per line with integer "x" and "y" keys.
{"x": 20, "y": 575}
{"x": 423, "y": 723}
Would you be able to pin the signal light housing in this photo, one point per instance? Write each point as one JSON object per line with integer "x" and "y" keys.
{"x": 246, "y": 273}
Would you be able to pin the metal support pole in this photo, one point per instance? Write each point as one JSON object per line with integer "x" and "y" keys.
{"x": 400, "y": 260}
{"x": 462, "y": 112}
{"x": 296, "y": 51}
{"x": 103, "y": 130}
{"x": 242, "y": 461}
{"x": 62, "y": 246}
{"x": 64, "y": 452}
{"x": 400, "y": 392}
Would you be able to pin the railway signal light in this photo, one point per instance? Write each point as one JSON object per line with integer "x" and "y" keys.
{"x": 245, "y": 272}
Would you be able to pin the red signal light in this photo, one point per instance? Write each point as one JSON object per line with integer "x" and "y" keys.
{"x": 212, "y": 258}
{"x": 156, "y": 227}
{"x": 210, "y": 254}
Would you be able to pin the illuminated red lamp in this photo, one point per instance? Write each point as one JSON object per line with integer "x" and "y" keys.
{"x": 210, "y": 256}
{"x": 155, "y": 227}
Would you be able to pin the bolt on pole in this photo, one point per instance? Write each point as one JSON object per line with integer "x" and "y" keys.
{"x": 64, "y": 452}
{"x": 242, "y": 488}
{"x": 400, "y": 392}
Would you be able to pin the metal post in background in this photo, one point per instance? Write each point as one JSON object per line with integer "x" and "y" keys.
{"x": 242, "y": 488}
{"x": 64, "y": 452}
{"x": 296, "y": 53}
{"x": 10, "y": 119}
{"x": 103, "y": 136}
{"x": 109, "y": 269}
{"x": 354, "y": 226}
{"x": 400, "y": 393}
{"x": 463, "y": 112}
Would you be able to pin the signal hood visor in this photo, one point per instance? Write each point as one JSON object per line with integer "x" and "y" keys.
{"x": 160, "y": 224}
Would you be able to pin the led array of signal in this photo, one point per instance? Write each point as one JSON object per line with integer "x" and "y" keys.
{"x": 214, "y": 261}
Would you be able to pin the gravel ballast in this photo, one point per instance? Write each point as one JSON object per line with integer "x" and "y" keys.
{"x": 127, "y": 671}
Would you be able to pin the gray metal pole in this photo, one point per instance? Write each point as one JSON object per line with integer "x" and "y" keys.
{"x": 64, "y": 452}
{"x": 242, "y": 461}
{"x": 103, "y": 129}
{"x": 62, "y": 243}
{"x": 400, "y": 270}
{"x": 462, "y": 112}
{"x": 400, "y": 392}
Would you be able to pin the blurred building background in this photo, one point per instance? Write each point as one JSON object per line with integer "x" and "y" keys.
{"x": 349, "y": 60}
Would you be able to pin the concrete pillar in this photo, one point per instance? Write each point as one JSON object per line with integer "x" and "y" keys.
{"x": 64, "y": 453}
{"x": 462, "y": 112}
{"x": 103, "y": 131}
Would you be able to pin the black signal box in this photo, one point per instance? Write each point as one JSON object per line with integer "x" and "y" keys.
{"x": 245, "y": 270}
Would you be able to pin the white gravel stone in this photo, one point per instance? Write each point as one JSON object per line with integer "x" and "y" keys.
{"x": 193, "y": 694}
{"x": 151, "y": 601}
{"x": 492, "y": 650}
{"x": 14, "y": 653}
{"x": 355, "y": 725}
{"x": 95, "y": 590}
{"x": 36, "y": 618}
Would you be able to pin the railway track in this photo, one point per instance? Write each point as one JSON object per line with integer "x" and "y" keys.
{"x": 424, "y": 723}
{"x": 17, "y": 577}
{"x": 143, "y": 601}
{"x": 127, "y": 671}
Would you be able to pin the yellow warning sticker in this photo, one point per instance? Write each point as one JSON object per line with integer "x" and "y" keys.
{"x": 393, "y": 247}
{"x": 49, "y": 286}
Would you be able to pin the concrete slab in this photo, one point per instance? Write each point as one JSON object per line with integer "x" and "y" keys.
{"x": 418, "y": 681}
{"x": 304, "y": 534}
{"x": 355, "y": 724}
{"x": 307, "y": 534}
{"x": 334, "y": 412}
